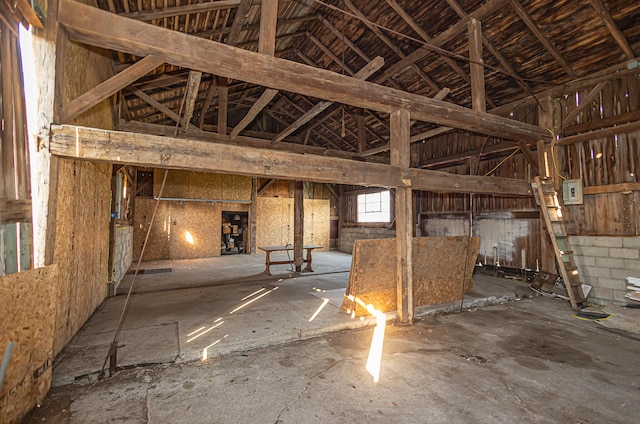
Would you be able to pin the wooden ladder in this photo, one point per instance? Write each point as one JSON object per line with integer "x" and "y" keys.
{"x": 547, "y": 198}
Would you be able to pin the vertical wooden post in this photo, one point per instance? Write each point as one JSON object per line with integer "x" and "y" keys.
{"x": 545, "y": 169}
{"x": 400, "y": 157}
{"x": 478, "y": 97}
{"x": 252, "y": 215}
{"x": 298, "y": 224}
{"x": 223, "y": 100}
{"x": 268, "y": 20}
{"x": 362, "y": 132}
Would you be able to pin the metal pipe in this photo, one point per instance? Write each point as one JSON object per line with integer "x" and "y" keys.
{"x": 5, "y": 362}
{"x": 212, "y": 201}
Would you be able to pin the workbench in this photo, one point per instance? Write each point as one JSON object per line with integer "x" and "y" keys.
{"x": 269, "y": 262}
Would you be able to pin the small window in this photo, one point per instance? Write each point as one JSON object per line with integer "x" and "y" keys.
{"x": 374, "y": 207}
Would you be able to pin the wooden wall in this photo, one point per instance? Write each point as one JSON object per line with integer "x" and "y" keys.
{"x": 608, "y": 164}
{"x": 203, "y": 220}
{"x": 604, "y": 162}
{"x": 51, "y": 304}
{"x": 29, "y": 298}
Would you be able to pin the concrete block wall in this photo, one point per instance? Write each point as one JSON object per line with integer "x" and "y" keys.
{"x": 123, "y": 254}
{"x": 348, "y": 235}
{"x": 604, "y": 263}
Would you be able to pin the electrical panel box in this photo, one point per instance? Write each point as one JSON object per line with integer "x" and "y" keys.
{"x": 572, "y": 192}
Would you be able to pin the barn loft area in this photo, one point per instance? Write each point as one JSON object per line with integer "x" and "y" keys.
{"x": 246, "y": 174}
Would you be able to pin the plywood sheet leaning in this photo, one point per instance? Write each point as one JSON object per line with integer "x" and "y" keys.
{"x": 29, "y": 299}
{"x": 439, "y": 268}
{"x": 373, "y": 276}
{"x": 438, "y": 272}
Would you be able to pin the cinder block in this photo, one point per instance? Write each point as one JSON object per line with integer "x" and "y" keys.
{"x": 621, "y": 274}
{"x": 602, "y": 252}
{"x": 632, "y": 264}
{"x": 585, "y": 260}
{"x": 597, "y": 272}
{"x": 606, "y": 241}
{"x": 624, "y": 253}
{"x": 618, "y": 296}
{"x": 601, "y": 293}
{"x": 609, "y": 283}
{"x": 631, "y": 242}
{"x": 610, "y": 263}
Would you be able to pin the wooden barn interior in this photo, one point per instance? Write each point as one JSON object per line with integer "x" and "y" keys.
{"x": 409, "y": 134}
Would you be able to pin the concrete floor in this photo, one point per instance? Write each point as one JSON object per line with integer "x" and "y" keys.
{"x": 267, "y": 362}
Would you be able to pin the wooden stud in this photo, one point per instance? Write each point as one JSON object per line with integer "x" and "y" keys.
{"x": 268, "y": 22}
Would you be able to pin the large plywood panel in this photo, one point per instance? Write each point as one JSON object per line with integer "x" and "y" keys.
{"x": 442, "y": 268}
{"x": 158, "y": 243}
{"x": 195, "y": 230}
{"x": 274, "y": 221}
{"x": 168, "y": 238}
{"x": 317, "y": 216}
{"x": 81, "y": 244}
{"x": 201, "y": 185}
{"x": 28, "y": 309}
{"x": 439, "y": 272}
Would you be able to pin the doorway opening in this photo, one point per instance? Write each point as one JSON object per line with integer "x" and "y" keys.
{"x": 235, "y": 233}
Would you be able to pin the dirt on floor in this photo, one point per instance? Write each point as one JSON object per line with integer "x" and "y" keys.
{"x": 525, "y": 361}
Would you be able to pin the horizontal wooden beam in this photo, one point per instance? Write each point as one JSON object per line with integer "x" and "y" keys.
{"x": 612, "y": 188}
{"x": 604, "y": 132}
{"x": 96, "y": 27}
{"x": 597, "y": 124}
{"x": 178, "y": 153}
{"x": 194, "y": 133}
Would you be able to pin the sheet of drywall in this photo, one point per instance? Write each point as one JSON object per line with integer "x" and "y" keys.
{"x": 29, "y": 299}
{"x": 438, "y": 272}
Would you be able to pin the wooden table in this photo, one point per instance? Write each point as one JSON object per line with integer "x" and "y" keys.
{"x": 269, "y": 262}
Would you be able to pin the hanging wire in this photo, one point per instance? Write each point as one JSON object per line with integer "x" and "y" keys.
{"x": 125, "y": 309}
{"x": 502, "y": 161}
{"x": 553, "y": 156}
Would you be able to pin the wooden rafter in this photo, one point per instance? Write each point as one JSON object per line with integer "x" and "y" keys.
{"x": 613, "y": 28}
{"x": 426, "y": 37}
{"x": 97, "y": 27}
{"x": 391, "y": 44}
{"x": 584, "y": 103}
{"x": 109, "y": 87}
{"x": 438, "y": 41}
{"x": 363, "y": 73}
{"x": 544, "y": 40}
{"x": 168, "y": 12}
{"x": 190, "y": 96}
{"x": 493, "y": 49}
{"x": 266, "y": 46}
{"x": 157, "y": 105}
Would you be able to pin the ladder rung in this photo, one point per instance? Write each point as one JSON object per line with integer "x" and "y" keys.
{"x": 561, "y": 236}
{"x": 566, "y": 252}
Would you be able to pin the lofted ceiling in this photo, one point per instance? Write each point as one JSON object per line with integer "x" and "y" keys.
{"x": 528, "y": 46}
